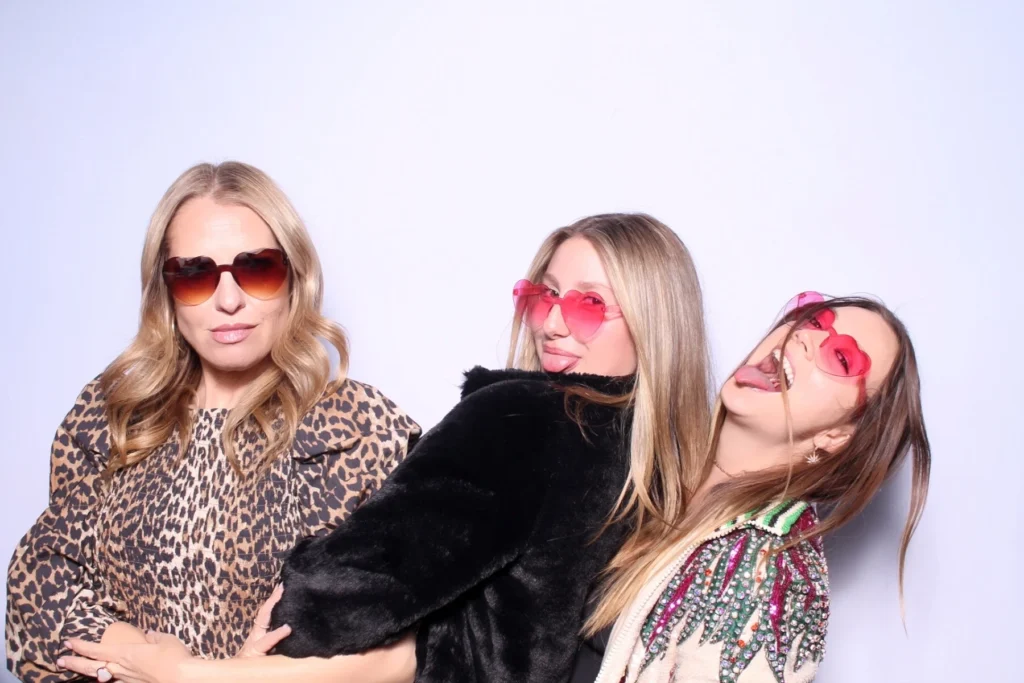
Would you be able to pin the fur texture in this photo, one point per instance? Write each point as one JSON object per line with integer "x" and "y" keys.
{"x": 483, "y": 539}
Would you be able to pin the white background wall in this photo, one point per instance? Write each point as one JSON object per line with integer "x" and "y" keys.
{"x": 848, "y": 147}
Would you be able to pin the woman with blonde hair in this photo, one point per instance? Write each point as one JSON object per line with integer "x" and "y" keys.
{"x": 485, "y": 543}
{"x": 823, "y": 411}
{"x": 208, "y": 448}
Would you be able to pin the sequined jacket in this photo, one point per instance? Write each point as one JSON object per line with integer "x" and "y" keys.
{"x": 734, "y": 607}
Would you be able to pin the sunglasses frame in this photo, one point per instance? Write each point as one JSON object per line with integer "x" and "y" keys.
{"x": 173, "y": 266}
{"x": 804, "y": 299}
{"x": 569, "y": 304}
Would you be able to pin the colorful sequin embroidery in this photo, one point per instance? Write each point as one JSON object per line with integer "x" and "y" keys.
{"x": 747, "y": 599}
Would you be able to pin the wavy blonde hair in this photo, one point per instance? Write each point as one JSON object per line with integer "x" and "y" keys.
{"x": 150, "y": 389}
{"x": 656, "y": 285}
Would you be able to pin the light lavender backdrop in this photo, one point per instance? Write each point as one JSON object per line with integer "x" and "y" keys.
{"x": 848, "y": 147}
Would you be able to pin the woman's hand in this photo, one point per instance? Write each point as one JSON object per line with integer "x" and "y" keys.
{"x": 118, "y": 633}
{"x": 121, "y": 632}
{"x": 158, "y": 660}
{"x": 261, "y": 639}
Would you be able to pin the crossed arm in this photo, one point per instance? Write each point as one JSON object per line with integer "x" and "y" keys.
{"x": 129, "y": 655}
{"x": 164, "y": 659}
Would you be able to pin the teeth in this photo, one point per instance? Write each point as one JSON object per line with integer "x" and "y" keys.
{"x": 786, "y": 367}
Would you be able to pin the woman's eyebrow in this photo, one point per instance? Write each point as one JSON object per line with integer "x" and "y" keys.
{"x": 594, "y": 285}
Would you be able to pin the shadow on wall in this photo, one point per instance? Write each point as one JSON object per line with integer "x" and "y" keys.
{"x": 873, "y": 534}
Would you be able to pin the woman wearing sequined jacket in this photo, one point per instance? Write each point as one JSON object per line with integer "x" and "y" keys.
{"x": 486, "y": 541}
{"x": 823, "y": 411}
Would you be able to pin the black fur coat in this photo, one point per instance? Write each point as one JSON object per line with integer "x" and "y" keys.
{"x": 482, "y": 540}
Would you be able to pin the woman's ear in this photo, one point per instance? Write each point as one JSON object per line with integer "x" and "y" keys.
{"x": 833, "y": 440}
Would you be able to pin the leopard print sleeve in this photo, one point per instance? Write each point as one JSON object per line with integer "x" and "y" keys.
{"x": 53, "y": 589}
{"x": 349, "y": 444}
{"x": 394, "y": 434}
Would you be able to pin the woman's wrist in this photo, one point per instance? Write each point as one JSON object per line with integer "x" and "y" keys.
{"x": 190, "y": 669}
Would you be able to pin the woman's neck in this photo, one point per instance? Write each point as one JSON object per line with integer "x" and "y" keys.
{"x": 739, "y": 450}
{"x": 225, "y": 389}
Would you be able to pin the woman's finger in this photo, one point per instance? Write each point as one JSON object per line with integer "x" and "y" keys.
{"x": 263, "y": 615}
{"x": 266, "y": 643}
{"x": 275, "y": 597}
{"x": 92, "y": 650}
{"x": 81, "y": 665}
{"x": 157, "y": 637}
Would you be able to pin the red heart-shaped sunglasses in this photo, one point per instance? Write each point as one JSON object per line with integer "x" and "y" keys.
{"x": 583, "y": 313}
{"x": 839, "y": 354}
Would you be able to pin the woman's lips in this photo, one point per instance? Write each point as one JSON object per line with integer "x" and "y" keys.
{"x": 232, "y": 334}
{"x": 556, "y": 360}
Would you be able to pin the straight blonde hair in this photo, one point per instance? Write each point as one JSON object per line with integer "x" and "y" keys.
{"x": 150, "y": 389}
{"x": 656, "y": 286}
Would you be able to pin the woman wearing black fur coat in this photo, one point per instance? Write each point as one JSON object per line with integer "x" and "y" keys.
{"x": 475, "y": 560}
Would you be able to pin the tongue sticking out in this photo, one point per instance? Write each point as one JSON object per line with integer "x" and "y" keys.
{"x": 763, "y": 376}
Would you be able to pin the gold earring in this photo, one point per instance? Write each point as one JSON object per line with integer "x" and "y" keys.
{"x": 813, "y": 458}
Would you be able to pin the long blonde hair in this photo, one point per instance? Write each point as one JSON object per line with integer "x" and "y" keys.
{"x": 656, "y": 286}
{"x": 150, "y": 389}
{"x": 888, "y": 426}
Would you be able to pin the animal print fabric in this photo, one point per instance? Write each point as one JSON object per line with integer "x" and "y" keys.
{"x": 185, "y": 545}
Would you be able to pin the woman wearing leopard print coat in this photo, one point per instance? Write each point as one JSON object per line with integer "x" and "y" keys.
{"x": 213, "y": 444}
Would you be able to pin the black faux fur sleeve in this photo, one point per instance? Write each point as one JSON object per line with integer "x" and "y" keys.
{"x": 461, "y": 507}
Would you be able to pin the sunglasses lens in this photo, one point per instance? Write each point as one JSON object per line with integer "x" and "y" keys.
{"x": 822, "y": 320}
{"x": 533, "y": 303}
{"x": 520, "y": 295}
{"x": 803, "y": 299}
{"x": 261, "y": 274}
{"x": 191, "y": 281}
{"x": 839, "y": 355}
{"x": 583, "y": 315}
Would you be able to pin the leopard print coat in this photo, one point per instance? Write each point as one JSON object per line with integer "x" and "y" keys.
{"x": 185, "y": 545}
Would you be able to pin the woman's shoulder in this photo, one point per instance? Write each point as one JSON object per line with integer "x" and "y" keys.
{"x": 496, "y": 407}
{"x": 543, "y": 382}
{"x": 86, "y": 422}
{"x": 493, "y": 390}
{"x": 350, "y": 412}
{"x": 365, "y": 406}
{"x": 786, "y": 603}
{"x": 511, "y": 391}
{"x": 521, "y": 419}
{"x": 767, "y": 557}
{"x": 755, "y": 595}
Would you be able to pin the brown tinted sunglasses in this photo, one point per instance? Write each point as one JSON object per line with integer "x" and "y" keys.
{"x": 259, "y": 274}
